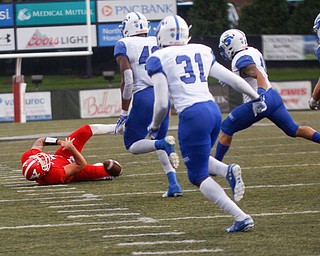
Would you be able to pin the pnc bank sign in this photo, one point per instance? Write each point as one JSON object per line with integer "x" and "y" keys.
{"x": 115, "y": 11}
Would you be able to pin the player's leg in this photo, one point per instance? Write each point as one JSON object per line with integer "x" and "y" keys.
{"x": 93, "y": 172}
{"x": 101, "y": 129}
{"x": 195, "y": 126}
{"x": 136, "y": 130}
{"x": 282, "y": 118}
{"x": 239, "y": 118}
{"x": 80, "y": 136}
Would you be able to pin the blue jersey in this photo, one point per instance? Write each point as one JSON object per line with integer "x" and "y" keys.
{"x": 318, "y": 53}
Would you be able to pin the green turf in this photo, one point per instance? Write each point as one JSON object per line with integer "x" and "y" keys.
{"x": 282, "y": 195}
{"x": 75, "y": 82}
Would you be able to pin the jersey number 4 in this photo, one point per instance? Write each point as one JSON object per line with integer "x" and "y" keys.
{"x": 191, "y": 77}
{"x": 146, "y": 53}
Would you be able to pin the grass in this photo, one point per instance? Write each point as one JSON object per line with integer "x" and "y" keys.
{"x": 128, "y": 216}
{"x": 74, "y": 82}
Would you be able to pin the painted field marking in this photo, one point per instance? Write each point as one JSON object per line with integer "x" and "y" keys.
{"x": 72, "y": 201}
{"x": 127, "y": 227}
{"x": 145, "y": 220}
{"x": 47, "y": 189}
{"x": 102, "y": 215}
{"x": 85, "y": 197}
{"x": 56, "y": 192}
{"x": 145, "y": 234}
{"x": 178, "y": 252}
{"x": 93, "y": 210}
{"x": 76, "y": 205}
{"x": 163, "y": 242}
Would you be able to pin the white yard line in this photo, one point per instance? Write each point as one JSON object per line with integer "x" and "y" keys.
{"x": 163, "y": 242}
{"x": 128, "y": 227}
{"x": 178, "y": 252}
{"x": 145, "y": 220}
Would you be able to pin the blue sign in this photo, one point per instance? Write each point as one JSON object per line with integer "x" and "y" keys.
{"x": 109, "y": 34}
{"x": 6, "y": 15}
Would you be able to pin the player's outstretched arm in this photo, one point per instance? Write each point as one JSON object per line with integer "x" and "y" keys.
{"x": 79, "y": 160}
{"x": 221, "y": 73}
{"x": 161, "y": 96}
{"x": 314, "y": 101}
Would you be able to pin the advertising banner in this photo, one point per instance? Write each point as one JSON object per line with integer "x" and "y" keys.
{"x": 109, "y": 34}
{"x": 289, "y": 47}
{"x": 6, "y": 15}
{"x": 53, "y": 13}
{"x": 116, "y": 10}
{"x": 38, "y": 106}
{"x": 54, "y": 37}
{"x": 294, "y": 94}
{"x": 100, "y": 103}
{"x": 7, "y": 39}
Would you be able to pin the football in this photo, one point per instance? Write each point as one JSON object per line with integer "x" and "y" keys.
{"x": 112, "y": 167}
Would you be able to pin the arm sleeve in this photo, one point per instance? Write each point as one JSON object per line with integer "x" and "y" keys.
{"x": 161, "y": 95}
{"x": 221, "y": 73}
{"x": 128, "y": 84}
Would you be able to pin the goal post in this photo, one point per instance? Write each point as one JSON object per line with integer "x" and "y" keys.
{"x": 19, "y": 85}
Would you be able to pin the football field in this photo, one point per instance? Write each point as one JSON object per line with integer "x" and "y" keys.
{"x": 128, "y": 216}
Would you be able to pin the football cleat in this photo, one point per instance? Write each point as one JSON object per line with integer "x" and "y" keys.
{"x": 168, "y": 146}
{"x": 173, "y": 191}
{"x": 241, "y": 226}
{"x": 235, "y": 181}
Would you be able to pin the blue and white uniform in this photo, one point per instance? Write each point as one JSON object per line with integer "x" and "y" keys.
{"x": 137, "y": 49}
{"x": 186, "y": 69}
{"x": 242, "y": 117}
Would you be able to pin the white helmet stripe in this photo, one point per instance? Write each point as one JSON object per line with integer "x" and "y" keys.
{"x": 28, "y": 168}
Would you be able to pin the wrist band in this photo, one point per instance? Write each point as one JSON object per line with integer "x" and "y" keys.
{"x": 51, "y": 141}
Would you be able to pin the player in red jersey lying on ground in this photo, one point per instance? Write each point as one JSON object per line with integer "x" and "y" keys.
{"x": 67, "y": 163}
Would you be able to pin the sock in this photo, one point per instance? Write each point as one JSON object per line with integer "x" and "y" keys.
{"x": 217, "y": 168}
{"x": 158, "y": 144}
{"x": 215, "y": 193}
{"x": 165, "y": 162}
{"x": 221, "y": 150}
{"x": 172, "y": 179}
{"x": 142, "y": 146}
{"x": 316, "y": 137}
{"x": 98, "y": 129}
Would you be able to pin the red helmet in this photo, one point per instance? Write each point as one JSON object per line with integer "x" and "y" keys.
{"x": 36, "y": 166}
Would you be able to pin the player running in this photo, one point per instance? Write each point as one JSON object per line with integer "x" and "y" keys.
{"x": 249, "y": 63}
{"x": 180, "y": 70}
{"x": 314, "y": 101}
{"x": 131, "y": 53}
